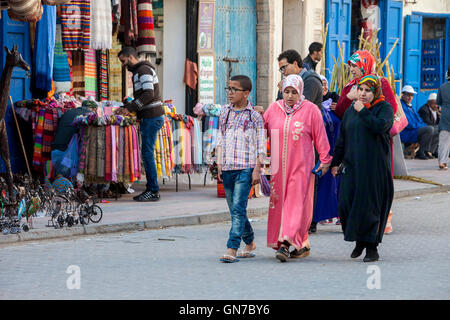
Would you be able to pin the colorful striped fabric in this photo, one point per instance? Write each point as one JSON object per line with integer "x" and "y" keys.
{"x": 61, "y": 70}
{"x": 103, "y": 75}
{"x": 90, "y": 74}
{"x": 78, "y": 73}
{"x": 146, "y": 42}
{"x": 114, "y": 72}
{"x": 75, "y": 21}
{"x": 101, "y": 25}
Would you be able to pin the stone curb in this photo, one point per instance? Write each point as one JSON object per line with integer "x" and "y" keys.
{"x": 158, "y": 223}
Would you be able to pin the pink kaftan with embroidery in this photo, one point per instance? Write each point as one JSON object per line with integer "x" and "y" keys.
{"x": 292, "y": 161}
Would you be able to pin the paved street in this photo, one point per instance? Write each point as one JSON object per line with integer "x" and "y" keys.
{"x": 183, "y": 263}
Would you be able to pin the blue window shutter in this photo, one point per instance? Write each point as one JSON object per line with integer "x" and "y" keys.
{"x": 413, "y": 53}
{"x": 391, "y": 29}
{"x": 338, "y": 16}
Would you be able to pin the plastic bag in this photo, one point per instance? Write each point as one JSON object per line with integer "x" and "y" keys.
{"x": 66, "y": 163}
{"x": 265, "y": 186}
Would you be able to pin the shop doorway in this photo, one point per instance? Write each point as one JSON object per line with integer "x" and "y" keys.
{"x": 426, "y": 51}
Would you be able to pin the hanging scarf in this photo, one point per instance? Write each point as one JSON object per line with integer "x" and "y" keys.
{"x": 132, "y": 158}
{"x": 38, "y": 140}
{"x": 296, "y": 82}
{"x": 136, "y": 152}
{"x": 83, "y": 139}
{"x": 90, "y": 74}
{"x": 92, "y": 154}
{"x": 163, "y": 154}
{"x": 108, "y": 159}
{"x": 146, "y": 42}
{"x": 61, "y": 71}
{"x": 44, "y": 48}
{"x": 129, "y": 22}
{"x": 365, "y": 61}
{"x": 126, "y": 161}
{"x": 75, "y": 21}
{"x": 114, "y": 73}
{"x": 101, "y": 25}
{"x": 78, "y": 73}
{"x": 113, "y": 153}
{"x": 121, "y": 155}
{"x": 101, "y": 152}
{"x": 158, "y": 157}
{"x": 103, "y": 75}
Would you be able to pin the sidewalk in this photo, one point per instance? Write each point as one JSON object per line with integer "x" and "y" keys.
{"x": 200, "y": 205}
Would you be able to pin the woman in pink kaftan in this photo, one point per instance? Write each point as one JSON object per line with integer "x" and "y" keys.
{"x": 293, "y": 124}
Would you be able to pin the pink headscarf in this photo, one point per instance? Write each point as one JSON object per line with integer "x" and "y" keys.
{"x": 296, "y": 82}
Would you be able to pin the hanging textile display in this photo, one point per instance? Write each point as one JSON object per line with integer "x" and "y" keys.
{"x": 101, "y": 25}
{"x": 209, "y": 143}
{"x": 118, "y": 137}
{"x": 78, "y": 73}
{"x": 103, "y": 75}
{"x": 146, "y": 42}
{"x": 114, "y": 73}
{"x": 128, "y": 30}
{"x": 44, "y": 117}
{"x": 44, "y": 47}
{"x": 90, "y": 74}
{"x": 61, "y": 71}
{"x": 75, "y": 21}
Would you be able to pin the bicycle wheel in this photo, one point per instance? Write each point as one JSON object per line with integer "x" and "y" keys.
{"x": 83, "y": 213}
{"x": 95, "y": 213}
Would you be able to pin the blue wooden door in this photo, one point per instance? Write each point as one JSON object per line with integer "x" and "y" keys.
{"x": 413, "y": 53}
{"x": 391, "y": 30}
{"x": 15, "y": 33}
{"x": 338, "y": 15}
{"x": 235, "y": 38}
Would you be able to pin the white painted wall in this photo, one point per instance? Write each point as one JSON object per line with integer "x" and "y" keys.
{"x": 277, "y": 45}
{"x": 302, "y": 25}
{"x": 431, "y": 6}
{"x": 174, "y": 54}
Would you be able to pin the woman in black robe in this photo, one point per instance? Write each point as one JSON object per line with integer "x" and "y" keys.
{"x": 367, "y": 189}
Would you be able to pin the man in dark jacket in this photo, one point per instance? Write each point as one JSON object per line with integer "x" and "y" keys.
{"x": 314, "y": 56}
{"x": 290, "y": 62}
{"x": 430, "y": 114}
{"x": 149, "y": 110}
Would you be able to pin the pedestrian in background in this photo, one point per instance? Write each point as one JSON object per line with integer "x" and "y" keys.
{"x": 290, "y": 62}
{"x": 293, "y": 125}
{"x": 314, "y": 56}
{"x": 431, "y": 115}
{"x": 326, "y": 205}
{"x": 367, "y": 189}
{"x": 443, "y": 99}
{"x": 148, "y": 107}
{"x": 416, "y": 130}
{"x": 241, "y": 147}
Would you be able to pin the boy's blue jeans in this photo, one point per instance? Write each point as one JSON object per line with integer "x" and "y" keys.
{"x": 149, "y": 132}
{"x": 237, "y": 185}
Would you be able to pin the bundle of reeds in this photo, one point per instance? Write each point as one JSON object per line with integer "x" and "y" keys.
{"x": 341, "y": 72}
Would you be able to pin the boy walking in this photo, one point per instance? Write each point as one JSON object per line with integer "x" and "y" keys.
{"x": 240, "y": 151}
